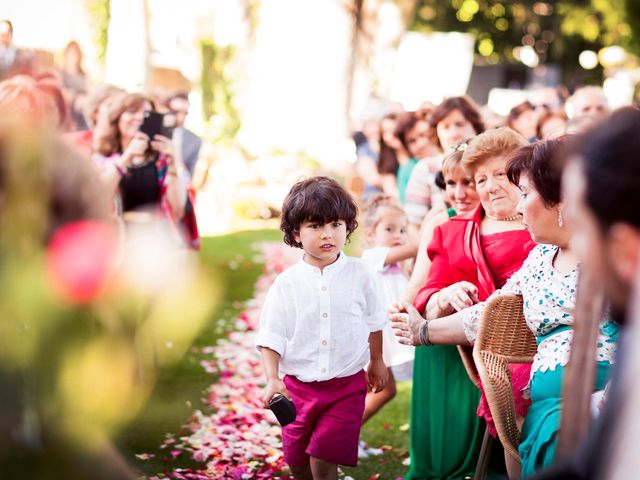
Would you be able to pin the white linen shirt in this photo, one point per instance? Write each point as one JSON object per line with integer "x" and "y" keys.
{"x": 319, "y": 322}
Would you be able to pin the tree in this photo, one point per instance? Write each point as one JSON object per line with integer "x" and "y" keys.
{"x": 556, "y": 31}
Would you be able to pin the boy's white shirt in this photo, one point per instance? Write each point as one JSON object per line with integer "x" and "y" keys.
{"x": 319, "y": 322}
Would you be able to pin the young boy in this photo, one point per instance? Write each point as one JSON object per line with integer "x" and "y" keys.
{"x": 320, "y": 325}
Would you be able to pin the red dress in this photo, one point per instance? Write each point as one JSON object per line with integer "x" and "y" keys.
{"x": 459, "y": 253}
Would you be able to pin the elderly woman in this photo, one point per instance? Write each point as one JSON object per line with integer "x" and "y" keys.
{"x": 455, "y": 119}
{"x": 144, "y": 171}
{"x": 547, "y": 282}
{"x": 471, "y": 255}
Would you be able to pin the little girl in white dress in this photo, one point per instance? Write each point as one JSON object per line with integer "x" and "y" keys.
{"x": 385, "y": 228}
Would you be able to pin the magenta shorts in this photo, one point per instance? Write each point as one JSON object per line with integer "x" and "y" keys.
{"x": 328, "y": 422}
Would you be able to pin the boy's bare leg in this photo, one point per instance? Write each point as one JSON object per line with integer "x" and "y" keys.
{"x": 302, "y": 473}
{"x": 323, "y": 470}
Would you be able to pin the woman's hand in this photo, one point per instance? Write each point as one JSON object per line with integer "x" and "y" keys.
{"x": 457, "y": 297}
{"x": 406, "y": 321}
{"x": 377, "y": 375}
{"x": 135, "y": 150}
{"x": 164, "y": 145}
{"x": 272, "y": 388}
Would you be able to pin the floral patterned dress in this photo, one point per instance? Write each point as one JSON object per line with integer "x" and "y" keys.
{"x": 548, "y": 303}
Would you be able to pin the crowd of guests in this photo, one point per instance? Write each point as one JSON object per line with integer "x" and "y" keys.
{"x": 147, "y": 171}
{"x": 90, "y": 190}
{"x": 455, "y": 214}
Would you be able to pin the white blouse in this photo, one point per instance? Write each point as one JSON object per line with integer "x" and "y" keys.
{"x": 319, "y": 322}
{"x": 549, "y": 299}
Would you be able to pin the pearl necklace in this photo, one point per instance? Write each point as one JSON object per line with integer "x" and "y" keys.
{"x": 506, "y": 219}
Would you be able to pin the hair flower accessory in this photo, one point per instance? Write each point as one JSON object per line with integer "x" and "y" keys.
{"x": 460, "y": 147}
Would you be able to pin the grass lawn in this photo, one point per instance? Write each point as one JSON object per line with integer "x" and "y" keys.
{"x": 179, "y": 389}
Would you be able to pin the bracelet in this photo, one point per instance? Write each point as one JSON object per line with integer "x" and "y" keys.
{"x": 119, "y": 169}
{"x": 423, "y": 334}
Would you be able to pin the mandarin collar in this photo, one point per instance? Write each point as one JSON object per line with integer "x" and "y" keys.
{"x": 329, "y": 269}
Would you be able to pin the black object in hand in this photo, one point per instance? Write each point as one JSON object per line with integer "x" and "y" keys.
{"x": 152, "y": 124}
{"x": 283, "y": 408}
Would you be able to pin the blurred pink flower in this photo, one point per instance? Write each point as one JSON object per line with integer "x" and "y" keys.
{"x": 81, "y": 260}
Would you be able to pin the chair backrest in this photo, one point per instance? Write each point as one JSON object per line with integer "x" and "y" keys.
{"x": 503, "y": 338}
{"x": 466, "y": 354}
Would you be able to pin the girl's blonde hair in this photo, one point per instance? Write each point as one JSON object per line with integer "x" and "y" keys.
{"x": 371, "y": 209}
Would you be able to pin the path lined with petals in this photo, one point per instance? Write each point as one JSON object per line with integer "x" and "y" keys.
{"x": 239, "y": 439}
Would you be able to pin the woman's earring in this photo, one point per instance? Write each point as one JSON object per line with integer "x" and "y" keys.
{"x": 560, "y": 221}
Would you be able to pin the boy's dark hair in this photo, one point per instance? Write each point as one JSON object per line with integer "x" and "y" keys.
{"x": 316, "y": 199}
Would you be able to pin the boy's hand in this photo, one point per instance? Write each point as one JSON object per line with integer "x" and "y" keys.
{"x": 377, "y": 375}
{"x": 273, "y": 387}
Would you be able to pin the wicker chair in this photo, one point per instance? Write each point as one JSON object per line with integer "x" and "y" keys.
{"x": 466, "y": 355}
{"x": 503, "y": 338}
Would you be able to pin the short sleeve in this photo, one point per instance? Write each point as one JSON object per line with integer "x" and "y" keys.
{"x": 471, "y": 321}
{"x": 272, "y": 330}
{"x": 374, "y": 258}
{"x": 375, "y": 315}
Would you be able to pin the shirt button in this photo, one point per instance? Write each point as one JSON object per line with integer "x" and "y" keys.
{"x": 324, "y": 342}
{"x": 324, "y": 315}
{"x": 323, "y": 370}
{"x": 324, "y": 289}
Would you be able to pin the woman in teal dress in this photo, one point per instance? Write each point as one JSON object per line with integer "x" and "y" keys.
{"x": 547, "y": 282}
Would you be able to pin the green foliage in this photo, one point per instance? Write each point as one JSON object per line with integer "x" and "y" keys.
{"x": 558, "y": 31}
{"x": 216, "y": 81}
{"x": 633, "y": 19}
{"x": 99, "y": 11}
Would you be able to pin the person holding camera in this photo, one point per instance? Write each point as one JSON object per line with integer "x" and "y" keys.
{"x": 142, "y": 168}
